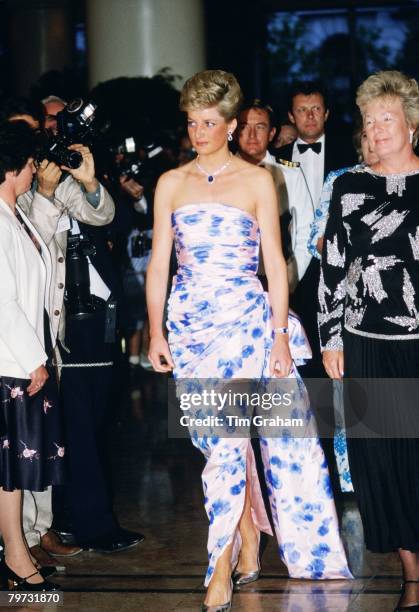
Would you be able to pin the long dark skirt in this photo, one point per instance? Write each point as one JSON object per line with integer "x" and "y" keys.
{"x": 385, "y": 469}
{"x": 31, "y": 438}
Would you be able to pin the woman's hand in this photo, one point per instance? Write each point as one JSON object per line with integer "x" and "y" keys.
{"x": 281, "y": 362}
{"x": 333, "y": 363}
{"x": 160, "y": 349}
{"x": 38, "y": 380}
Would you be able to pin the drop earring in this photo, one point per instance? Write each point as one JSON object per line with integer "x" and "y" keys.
{"x": 411, "y": 132}
{"x": 229, "y": 136}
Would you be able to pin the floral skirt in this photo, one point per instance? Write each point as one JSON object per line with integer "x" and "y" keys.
{"x": 31, "y": 436}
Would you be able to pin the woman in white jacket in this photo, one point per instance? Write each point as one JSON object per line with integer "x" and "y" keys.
{"x": 31, "y": 454}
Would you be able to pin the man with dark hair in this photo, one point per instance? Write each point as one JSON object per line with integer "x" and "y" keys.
{"x": 256, "y": 130}
{"x": 308, "y": 111}
{"x": 315, "y": 149}
{"x": 318, "y": 153}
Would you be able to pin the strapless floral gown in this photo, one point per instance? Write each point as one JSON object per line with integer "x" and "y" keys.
{"x": 219, "y": 323}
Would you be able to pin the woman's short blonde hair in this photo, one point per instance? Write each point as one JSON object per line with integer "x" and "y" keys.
{"x": 212, "y": 88}
{"x": 391, "y": 84}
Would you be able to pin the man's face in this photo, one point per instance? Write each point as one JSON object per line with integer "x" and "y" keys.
{"x": 51, "y": 110}
{"x": 309, "y": 116}
{"x": 255, "y": 134}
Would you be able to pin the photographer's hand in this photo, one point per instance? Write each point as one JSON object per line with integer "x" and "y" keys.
{"x": 86, "y": 172}
{"x": 48, "y": 176}
{"x": 131, "y": 187}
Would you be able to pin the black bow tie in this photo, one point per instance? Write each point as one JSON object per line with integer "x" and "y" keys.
{"x": 316, "y": 146}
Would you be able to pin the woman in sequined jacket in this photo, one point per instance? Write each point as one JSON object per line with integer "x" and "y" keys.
{"x": 369, "y": 319}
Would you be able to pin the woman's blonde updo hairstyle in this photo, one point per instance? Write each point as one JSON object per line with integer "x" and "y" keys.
{"x": 391, "y": 84}
{"x": 212, "y": 88}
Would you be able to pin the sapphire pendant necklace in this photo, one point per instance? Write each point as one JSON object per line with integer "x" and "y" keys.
{"x": 211, "y": 175}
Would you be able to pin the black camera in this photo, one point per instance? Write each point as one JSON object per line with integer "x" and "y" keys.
{"x": 143, "y": 163}
{"x": 73, "y": 127}
{"x": 80, "y": 304}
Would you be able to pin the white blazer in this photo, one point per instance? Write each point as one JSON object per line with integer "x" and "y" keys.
{"x": 46, "y": 216}
{"x": 24, "y": 280}
{"x": 297, "y": 200}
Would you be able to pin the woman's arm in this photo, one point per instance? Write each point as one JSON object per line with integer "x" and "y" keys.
{"x": 275, "y": 268}
{"x": 16, "y": 331}
{"x": 332, "y": 288}
{"x": 158, "y": 273}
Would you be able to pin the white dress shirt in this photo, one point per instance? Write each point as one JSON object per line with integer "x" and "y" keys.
{"x": 293, "y": 196}
{"x": 313, "y": 167}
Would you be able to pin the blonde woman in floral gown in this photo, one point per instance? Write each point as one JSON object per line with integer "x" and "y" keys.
{"x": 222, "y": 325}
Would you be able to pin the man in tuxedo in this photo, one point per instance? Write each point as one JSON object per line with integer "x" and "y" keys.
{"x": 318, "y": 153}
{"x": 315, "y": 148}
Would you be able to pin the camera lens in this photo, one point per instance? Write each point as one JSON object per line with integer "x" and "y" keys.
{"x": 71, "y": 159}
{"x": 75, "y": 105}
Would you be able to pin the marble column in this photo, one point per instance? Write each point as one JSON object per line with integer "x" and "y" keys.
{"x": 141, "y": 37}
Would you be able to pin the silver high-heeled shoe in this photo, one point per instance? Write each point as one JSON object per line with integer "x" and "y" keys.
{"x": 225, "y": 607}
{"x": 240, "y": 578}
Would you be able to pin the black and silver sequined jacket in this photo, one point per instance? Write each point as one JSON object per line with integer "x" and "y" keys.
{"x": 370, "y": 261}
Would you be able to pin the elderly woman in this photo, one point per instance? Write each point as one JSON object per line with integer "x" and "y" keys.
{"x": 369, "y": 315}
{"x": 31, "y": 453}
{"x": 315, "y": 245}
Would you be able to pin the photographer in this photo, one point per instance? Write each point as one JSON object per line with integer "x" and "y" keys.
{"x": 136, "y": 169}
{"x": 138, "y": 250}
{"x": 56, "y": 204}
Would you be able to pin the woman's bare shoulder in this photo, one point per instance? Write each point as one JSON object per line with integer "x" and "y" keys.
{"x": 173, "y": 178}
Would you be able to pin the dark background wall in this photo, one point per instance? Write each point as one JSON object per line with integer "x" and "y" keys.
{"x": 267, "y": 44}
